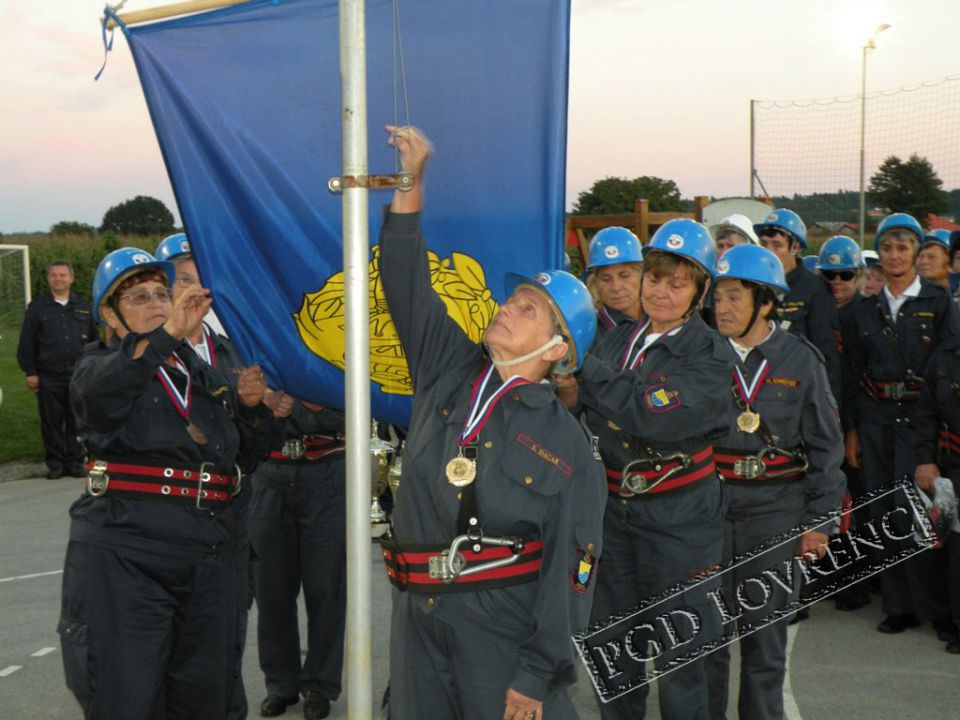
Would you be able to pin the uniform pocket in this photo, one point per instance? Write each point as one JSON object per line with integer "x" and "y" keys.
{"x": 75, "y": 647}
{"x": 534, "y": 467}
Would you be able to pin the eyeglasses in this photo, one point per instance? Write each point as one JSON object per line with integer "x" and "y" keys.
{"x": 186, "y": 280}
{"x": 142, "y": 297}
{"x": 845, "y": 275}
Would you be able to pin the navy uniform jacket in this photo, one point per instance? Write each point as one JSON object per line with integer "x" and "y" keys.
{"x": 924, "y": 322}
{"x": 53, "y": 335}
{"x": 939, "y": 405}
{"x": 845, "y": 312}
{"x": 690, "y": 368}
{"x": 536, "y": 475}
{"x": 810, "y": 311}
{"x": 797, "y": 407}
{"x": 608, "y": 318}
{"x": 123, "y": 412}
{"x": 225, "y": 356}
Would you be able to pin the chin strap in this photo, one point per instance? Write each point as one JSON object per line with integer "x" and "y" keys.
{"x": 552, "y": 342}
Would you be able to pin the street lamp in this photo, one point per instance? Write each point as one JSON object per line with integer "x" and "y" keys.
{"x": 871, "y": 44}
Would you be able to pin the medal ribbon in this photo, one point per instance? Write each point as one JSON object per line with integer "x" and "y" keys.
{"x": 479, "y": 413}
{"x": 606, "y": 318}
{"x": 180, "y": 401}
{"x": 208, "y": 341}
{"x": 628, "y": 360}
{"x": 748, "y": 393}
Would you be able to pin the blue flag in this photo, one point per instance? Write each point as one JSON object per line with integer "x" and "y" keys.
{"x": 246, "y": 106}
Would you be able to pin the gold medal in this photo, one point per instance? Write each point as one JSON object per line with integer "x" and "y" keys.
{"x": 196, "y": 434}
{"x": 461, "y": 471}
{"x": 748, "y": 421}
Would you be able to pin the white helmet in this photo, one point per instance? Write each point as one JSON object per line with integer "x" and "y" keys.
{"x": 738, "y": 223}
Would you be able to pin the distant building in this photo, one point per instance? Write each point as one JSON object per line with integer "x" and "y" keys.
{"x": 936, "y": 222}
{"x": 826, "y": 228}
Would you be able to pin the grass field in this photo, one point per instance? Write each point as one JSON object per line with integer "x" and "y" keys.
{"x": 19, "y": 421}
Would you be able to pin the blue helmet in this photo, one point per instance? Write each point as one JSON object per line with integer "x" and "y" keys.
{"x": 840, "y": 253}
{"x": 686, "y": 238}
{"x": 613, "y": 245}
{"x": 940, "y": 237}
{"x": 898, "y": 221}
{"x": 573, "y": 305}
{"x": 116, "y": 267}
{"x": 174, "y": 246}
{"x": 755, "y": 264}
{"x": 810, "y": 262}
{"x": 786, "y": 221}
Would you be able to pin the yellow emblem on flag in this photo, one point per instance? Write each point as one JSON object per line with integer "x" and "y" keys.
{"x": 459, "y": 281}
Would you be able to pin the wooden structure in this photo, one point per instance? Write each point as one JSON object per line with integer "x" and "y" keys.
{"x": 642, "y": 221}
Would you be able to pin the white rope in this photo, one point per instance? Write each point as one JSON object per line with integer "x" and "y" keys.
{"x": 552, "y": 342}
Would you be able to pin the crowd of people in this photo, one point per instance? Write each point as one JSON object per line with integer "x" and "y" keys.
{"x": 607, "y": 440}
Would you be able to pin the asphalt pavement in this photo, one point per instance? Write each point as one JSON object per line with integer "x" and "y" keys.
{"x": 840, "y": 666}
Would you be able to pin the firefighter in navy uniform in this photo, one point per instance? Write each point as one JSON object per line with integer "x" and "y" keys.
{"x": 780, "y": 460}
{"x": 808, "y": 309}
{"x": 56, "y": 327}
{"x": 615, "y": 264}
{"x": 297, "y": 529}
{"x": 841, "y": 266}
{"x": 155, "y": 584}
{"x": 656, "y": 394}
{"x": 212, "y": 347}
{"x": 937, "y": 445}
{"x": 497, "y": 471}
{"x": 887, "y": 344}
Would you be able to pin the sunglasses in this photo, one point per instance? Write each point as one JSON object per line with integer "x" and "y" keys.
{"x": 142, "y": 297}
{"x": 845, "y": 275}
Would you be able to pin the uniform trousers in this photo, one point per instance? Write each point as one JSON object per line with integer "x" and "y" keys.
{"x": 649, "y": 545}
{"x": 454, "y": 668}
{"x": 914, "y": 585}
{"x": 763, "y": 653}
{"x": 297, "y": 525}
{"x": 58, "y": 427}
{"x": 155, "y": 635}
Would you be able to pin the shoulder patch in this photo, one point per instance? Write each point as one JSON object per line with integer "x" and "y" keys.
{"x": 584, "y": 570}
{"x": 658, "y": 399}
{"x": 547, "y": 456}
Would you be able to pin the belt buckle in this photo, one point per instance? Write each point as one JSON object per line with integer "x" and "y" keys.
{"x": 896, "y": 390}
{"x": 750, "y": 467}
{"x": 294, "y": 449}
{"x": 446, "y": 567}
{"x": 97, "y": 479}
{"x": 633, "y": 483}
{"x": 201, "y": 491}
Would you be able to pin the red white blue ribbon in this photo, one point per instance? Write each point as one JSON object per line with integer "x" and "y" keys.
{"x": 631, "y": 361}
{"x": 479, "y": 413}
{"x": 748, "y": 392}
{"x": 181, "y": 401}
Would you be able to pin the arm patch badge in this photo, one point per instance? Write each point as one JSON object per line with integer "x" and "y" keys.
{"x": 658, "y": 399}
{"x": 584, "y": 572}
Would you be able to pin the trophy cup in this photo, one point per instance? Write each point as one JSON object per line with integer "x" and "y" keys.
{"x": 395, "y": 471}
{"x": 381, "y": 453}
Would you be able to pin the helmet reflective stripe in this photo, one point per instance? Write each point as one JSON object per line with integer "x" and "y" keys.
{"x": 897, "y": 221}
{"x": 116, "y": 267}
{"x": 572, "y": 305}
{"x": 755, "y": 264}
{"x": 840, "y": 253}
{"x": 788, "y": 222}
{"x": 688, "y": 239}
{"x": 613, "y": 245}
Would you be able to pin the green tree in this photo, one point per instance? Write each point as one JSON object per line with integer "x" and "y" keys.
{"x": 911, "y": 187}
{"x": 142, "y": 215}
{"x": 72, "y": 227}
{"x": 617, "y": 195}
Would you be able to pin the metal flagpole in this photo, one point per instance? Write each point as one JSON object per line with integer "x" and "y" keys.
{"x": 353, "y": 84}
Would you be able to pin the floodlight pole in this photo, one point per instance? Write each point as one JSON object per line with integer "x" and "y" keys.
{"x": 871, "y": 44}
{"x": 353, "y": 84}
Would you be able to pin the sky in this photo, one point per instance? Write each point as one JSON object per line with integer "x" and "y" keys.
{"x": 657, "y": 87}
